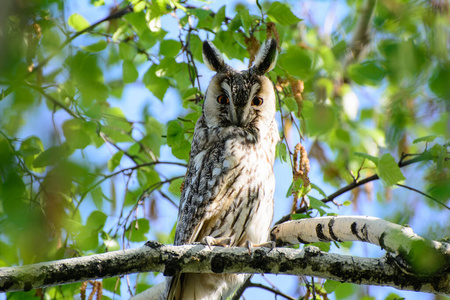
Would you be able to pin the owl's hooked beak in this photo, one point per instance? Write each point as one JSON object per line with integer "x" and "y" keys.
{"x": 239, "y": 115}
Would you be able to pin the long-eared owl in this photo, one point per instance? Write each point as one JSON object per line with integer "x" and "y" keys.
{"x": 229, "y": 185}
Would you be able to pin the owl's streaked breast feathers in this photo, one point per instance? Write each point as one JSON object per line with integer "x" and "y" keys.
{"x": 229, "y": 185}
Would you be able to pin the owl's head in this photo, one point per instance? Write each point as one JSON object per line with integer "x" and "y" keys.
{"x": 242, "y": 99}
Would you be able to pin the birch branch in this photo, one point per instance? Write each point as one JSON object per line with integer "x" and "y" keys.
{"x": 155, "y": 257}
{"x": 400, "y": 240}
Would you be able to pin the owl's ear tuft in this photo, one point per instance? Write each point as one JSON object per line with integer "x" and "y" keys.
{"x": 266, "y": 58}
{"x": 212, "y": 57}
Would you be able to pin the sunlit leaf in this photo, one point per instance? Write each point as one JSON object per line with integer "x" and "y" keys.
{"x": 281, "y": 13}
{"x": 389, "y": 171}
{"x": 170, "y": 48}
{"x": 97, "y": 197}
{"x": 114, "y": 161}
{"x": 368, "y": 72}
{"x": 367, "y": 156}
{"x": 157, "y": 85}
{"x": 427, "y": 139}
{"x": 175, "y": 186}
{"x": 129, "y": 72}
{"x": 296, "y": 61}
{"x": 137, "y": 230}
{"x": 95, "y": 47}
{"x": 78, "y": 22}
{"x": 75, "y": 135}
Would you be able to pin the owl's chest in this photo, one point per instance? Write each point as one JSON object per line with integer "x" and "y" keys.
{"x": 242, "y": 205}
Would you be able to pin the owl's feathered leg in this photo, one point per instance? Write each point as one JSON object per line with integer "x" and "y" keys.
{"x": 249, "y": 245}
{"x": 211, "y": 241}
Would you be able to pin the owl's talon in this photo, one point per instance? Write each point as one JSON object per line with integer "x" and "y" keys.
{"x": 249, "y": 245}
{"x": 211, "y": 241}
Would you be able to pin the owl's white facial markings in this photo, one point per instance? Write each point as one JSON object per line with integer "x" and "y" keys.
{"x": 241, "y": 89}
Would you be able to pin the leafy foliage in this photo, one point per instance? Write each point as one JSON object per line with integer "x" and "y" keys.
{"x": 81, "y": 174}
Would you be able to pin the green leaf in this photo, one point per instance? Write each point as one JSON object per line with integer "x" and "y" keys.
{"x": 219, "y": 18}
{"x": 366, "y": 73}
{"x": 76, "y": 137}
{"x": 428, "y": 139}
{"x": 291, "y": 104}
{"x": 95, "y": 47}
{"x": 318, "y": 189}
{"x": 77, "y": 22}
{"x": 344, "y": 291}
{"x": 389, "y": 171}
{"x": 30, "y": 148}
{"x": 137, "y": 230}
{"x": 282, "y": 14}
{"x": 110, "y": 243}
{"x": 96, "y": 220}
{"x": 315, "y": 203}
{"x": 112, "y": 284}
{"x": 12, "y": 196}
{"x": 296, "y": 61}
{"x": 97, "y": 197}
{"x": 157, "y": 85}
{"x": 175, "y": 134}
{"x": 127, "y": 51}
{"x": 439, "y": 81}
{"x": 320, "y": 119}
{"x": 299, "y": 216}
{"x": 367, "y": 156}
{"x": 175, "y": 187}
{"x": 51, "y": 156}
{"x": 331, "y": 285}
{"x": 170, "y": 48}
{"x": 245, "y": 19}
{"x": 129, "y": 72}
{"x": 281, "y": 152}
{"x": 114, "y": 161}
{"x": 152, "y": 178}
{"x": 347, "y": 203}
{"x": 182, "y": 150}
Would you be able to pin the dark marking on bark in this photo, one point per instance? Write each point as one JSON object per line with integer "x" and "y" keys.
{"x": 259, "y": 260}
{"x": 218, "y": 263}
{"x": 355, "y": 231}
{"x": 319, "y": 232}
{"x": 301, "y": 241}
{"x": 365, "y": 233}
{"x": 153, "y": 244}
{"x": 381, "y": 240}
{"x": 330, "y": 229}
{"x": 27, "y": 287}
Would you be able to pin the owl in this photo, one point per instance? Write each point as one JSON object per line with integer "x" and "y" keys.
{"x": 227, "y": 198}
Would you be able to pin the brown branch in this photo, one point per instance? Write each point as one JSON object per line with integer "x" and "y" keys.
{"x": 361, "y": 36}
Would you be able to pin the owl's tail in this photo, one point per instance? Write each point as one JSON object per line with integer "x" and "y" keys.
{"x": 188, "y": 286}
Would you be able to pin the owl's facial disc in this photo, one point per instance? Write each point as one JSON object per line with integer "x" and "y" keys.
{"x": 242, "y": 92}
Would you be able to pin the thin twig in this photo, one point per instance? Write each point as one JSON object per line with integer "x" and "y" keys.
{"x": 276, "y": 292}
{"x": 422, "y": 193}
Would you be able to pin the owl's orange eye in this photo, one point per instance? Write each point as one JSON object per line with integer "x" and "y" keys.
{"x": 222, "y": 99}
{"x": 257, "y": 101}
